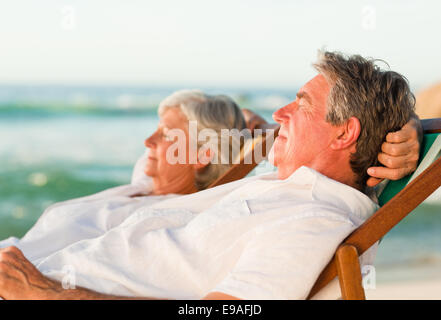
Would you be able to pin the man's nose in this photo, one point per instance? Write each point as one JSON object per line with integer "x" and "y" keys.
{"x": 282, "y": 114}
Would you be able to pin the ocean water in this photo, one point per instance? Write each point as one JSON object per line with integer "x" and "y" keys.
{"x": 59, "y": 143}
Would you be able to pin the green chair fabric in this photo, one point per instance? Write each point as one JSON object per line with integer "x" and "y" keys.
{"x": 393, "y": 187}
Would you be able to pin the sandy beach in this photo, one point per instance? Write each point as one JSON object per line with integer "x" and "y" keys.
{"x": 407, "y": 282}
{"x": 408, "y": 290}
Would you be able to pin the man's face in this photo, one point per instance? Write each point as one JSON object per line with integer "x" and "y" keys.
{"x": 304, "y": 134}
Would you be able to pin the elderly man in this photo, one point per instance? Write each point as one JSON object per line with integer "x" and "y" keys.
{"x": 265, "y": 237}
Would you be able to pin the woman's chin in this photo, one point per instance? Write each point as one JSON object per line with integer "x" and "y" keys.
{"x": 149, "y": 172}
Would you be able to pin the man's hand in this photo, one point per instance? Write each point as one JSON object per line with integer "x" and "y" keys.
{"x": 399, "y": 154}
{"x": 19, "y": 279}
{"x": 253, "y": 120}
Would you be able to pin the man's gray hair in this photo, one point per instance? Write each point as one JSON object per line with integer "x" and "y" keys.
{"x": 214, "y": 112}
{"x": 380, "y": 99}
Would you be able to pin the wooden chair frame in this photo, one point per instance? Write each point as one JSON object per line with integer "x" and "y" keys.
{"x": 241, "y": 169}
{"x": 345, "y": 263}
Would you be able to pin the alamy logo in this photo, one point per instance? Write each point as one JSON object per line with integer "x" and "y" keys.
{"x": 68, "y": 18}
{"x": 369, "y": 277}
{"x": 69, "y": 279}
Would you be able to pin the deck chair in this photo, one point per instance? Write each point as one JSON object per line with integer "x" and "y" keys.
{"x": 397, "y": 200}
{"x": 249, "y": 157}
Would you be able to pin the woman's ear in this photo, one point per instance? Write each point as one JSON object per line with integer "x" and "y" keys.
{"x": 205, "y": 156}
{"x": 347, "y": 134}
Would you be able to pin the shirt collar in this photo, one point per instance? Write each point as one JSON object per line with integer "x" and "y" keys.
{"x": 335, "y": 193}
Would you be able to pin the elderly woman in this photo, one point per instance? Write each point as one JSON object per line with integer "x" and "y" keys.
{"x": 154, "y": 178}
{"x": 176, "y": 113}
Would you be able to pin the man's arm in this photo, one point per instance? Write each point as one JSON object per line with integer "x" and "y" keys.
{"x": 284, "y": 258}
{"x": 20, "y": 279}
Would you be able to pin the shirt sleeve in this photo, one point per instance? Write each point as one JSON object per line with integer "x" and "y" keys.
{"x": 11, "y": 241}
{"x": 283, "y": 260}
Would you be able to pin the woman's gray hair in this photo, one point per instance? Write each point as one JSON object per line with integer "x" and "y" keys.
{"x": 213, "y": 112}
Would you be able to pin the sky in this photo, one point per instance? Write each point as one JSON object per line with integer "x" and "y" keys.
{"x": 228, "y": 43}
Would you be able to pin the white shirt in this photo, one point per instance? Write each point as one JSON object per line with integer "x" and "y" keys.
{"x": 258, "y": 238}
{"x": 88, "y": 217}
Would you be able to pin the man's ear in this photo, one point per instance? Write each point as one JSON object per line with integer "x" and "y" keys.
{"x": 204, "y": 158}
{"x": 347, "y": 134}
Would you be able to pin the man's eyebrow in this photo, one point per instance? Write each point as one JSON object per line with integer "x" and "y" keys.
{"x": 304, "y": 95}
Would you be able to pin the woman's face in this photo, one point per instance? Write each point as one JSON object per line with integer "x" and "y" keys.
{"x": 168, "y": 177}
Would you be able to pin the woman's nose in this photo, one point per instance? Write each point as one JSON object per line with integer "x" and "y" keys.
{"x": 150, "y": 141}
